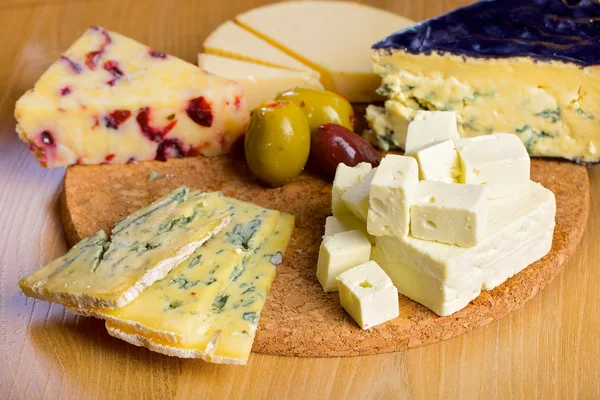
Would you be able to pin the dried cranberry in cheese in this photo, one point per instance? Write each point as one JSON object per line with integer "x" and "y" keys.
{"x": 109, "y": 99}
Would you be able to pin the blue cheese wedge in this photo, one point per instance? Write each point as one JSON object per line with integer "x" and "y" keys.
{"x": 180, "y": 310}
{"x": 526, "y": 67}
{"x": 143, "y": 248}
{"x": 225, "y": 333}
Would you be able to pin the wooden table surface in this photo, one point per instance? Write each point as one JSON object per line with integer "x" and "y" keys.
{"x": 550, "y": 348}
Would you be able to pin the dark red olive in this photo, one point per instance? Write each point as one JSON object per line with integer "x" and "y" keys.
{"x": 332, "y": 144}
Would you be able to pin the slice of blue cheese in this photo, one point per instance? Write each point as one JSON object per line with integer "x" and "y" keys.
{"x": 503, "y": 67}
{"x": 208, "y": 306}
{"x": 142, "y": 249}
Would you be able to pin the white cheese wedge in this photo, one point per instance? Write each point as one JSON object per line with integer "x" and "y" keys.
{"x": 260, "y": 82}
{"x": 231, "y": 40}
{"x": 438, "y": 161}
{"x": 339, "y": 253}
{"x": 392, "y": 189}
{"x": 429, "y": 127}
{"x": 433, "y": 273}
{"x": 345, "y": 223}
{"x": 357, "y": 197}
{"x": 449, "y": 213}
{"x": 368, "y": 295}
{"x": 143, "y": 248}
{"x": 499, "y": 161}
{"x": 345, "y": 178}
{"x": 332, "y": 37}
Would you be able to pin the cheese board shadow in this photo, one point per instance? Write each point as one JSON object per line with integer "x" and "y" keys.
{"x": 299, "y": 319}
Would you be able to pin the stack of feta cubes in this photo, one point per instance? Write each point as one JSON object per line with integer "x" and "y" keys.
{"x": 448, "y": 219}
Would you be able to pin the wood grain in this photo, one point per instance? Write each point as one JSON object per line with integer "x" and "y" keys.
{"x": 299, "y": 319}
{"x": 547, "y": 349}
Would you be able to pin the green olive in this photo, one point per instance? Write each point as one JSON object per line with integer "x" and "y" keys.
{"x": 321, "y": 107}
{"x": 277, "y": 142}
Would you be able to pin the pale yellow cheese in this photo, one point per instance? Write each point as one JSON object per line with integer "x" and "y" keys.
{"x": 231, "y": 40}
{"x": 332, "y": 37}
{"x": 260, "y": 82}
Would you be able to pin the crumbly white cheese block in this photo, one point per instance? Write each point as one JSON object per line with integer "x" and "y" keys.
{"x": 345, "y": 178}
{"x": 438, "y": 161}
{"x": 143, "y": 248}
{"x": 368, "y": 295}
{"x": 416, "y": 263}
{"x": 449, "y": 213}
{"x": 260, "y": 82}
{"x": 340, "y": 51}
{"x": 357, "y": 197}
{"x": 429, "y": 127}
{"x": 226, "y": 335}
{"x": 499, "y": 161}
{"x": 339, "y": 253}
{"x": 231, "y": 40}
{"x": 391, "y": 194}
{"x": 345, "y": 223}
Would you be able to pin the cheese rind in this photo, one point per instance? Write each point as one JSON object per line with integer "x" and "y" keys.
{"x": 111, "y": 100}
{"x": 368, "y": 295}
{"x": 392, "y": 189}
{"x": 499, "y": 161}
{"x": 340, "y": 51}
{"x": 357, "y": 197}
{"x": 438, "y": 161}
{"x": 233, "y": 41}
{"x": 339, "y": 253}
{"x": 345, "y": 178}
{"x": 429, "y": 127}
{"x": 449, "y": 213}
{"x": 260, "y": 82}
{"x": 143, "y": 248}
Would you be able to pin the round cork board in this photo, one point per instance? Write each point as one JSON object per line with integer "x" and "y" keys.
{"x": 299, "y": 319}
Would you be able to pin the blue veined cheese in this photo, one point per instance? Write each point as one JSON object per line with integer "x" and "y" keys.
{"x": 548, "y": 104}
{"x": 436, "y": 274}
{"x": 226, "y": 332}
{"x": 143, "y": 248}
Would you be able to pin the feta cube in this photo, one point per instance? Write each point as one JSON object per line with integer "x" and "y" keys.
{"x": 449, "y": 213}
{"x": 430, "y": 126}
{"x": 368, "y": 295}
{"x": 391, "y": 194}
{"x": 499, "y": 161}
{"x": 438, "y": 161}
{"x": 339, "y": 253}
{"x": 345, "y": 178}
{"x": 357, "y": 197}
{"x": 344, "y": 223}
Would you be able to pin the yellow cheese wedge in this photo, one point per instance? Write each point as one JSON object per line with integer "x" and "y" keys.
{"x": 143, "y": 248}
{"x": 260, "y": 82}
{"x": 180, "y": 314}
{"x": 334, "y": 38}
{"x": 110, "y": 99}
{"x": 231, "y": 40}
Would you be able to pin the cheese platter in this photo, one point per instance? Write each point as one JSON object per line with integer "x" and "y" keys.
{"x": 240, "y": 205}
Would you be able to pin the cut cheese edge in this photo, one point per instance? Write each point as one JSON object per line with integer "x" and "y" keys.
{"x": 260, "y": 82}
{"x": 192, "y": 313}
{"x": 333, "y": 38}
{"x": 231, "y": 40}
{"x": 143, "y": 248}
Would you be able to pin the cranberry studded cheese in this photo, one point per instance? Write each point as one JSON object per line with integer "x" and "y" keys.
{"x": 110, "y": 99}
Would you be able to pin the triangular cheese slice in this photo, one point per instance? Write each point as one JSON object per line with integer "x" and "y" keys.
{"x": 332, "y": 37}
{"x": 110, "y": 99}
{"x": 143, "y": 248}
{"x": 260, "y": 82}
{"x": 231, "y": 40}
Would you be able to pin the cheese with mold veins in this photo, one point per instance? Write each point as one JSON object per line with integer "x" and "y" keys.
{"x": 260, "y": 82}
{"x": 339, "y": 52}
{"x": 143, "y": 248}
{"x": 110, "y": 99}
